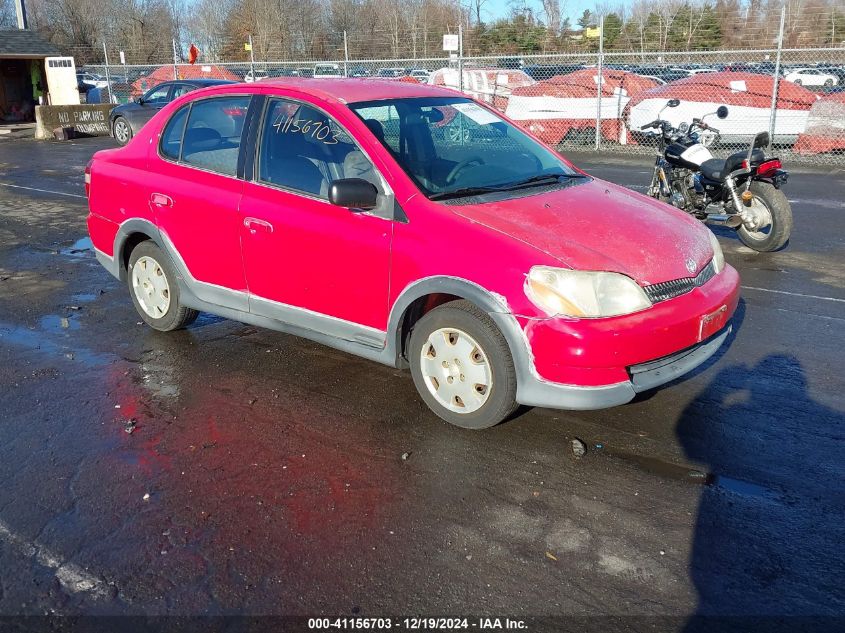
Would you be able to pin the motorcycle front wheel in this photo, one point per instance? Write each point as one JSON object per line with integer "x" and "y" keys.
{"x": 773, "y": 219}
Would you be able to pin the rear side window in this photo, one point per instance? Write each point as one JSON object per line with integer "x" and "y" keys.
{"x": 171, "y": 138}
{"x": 212, "y": 135}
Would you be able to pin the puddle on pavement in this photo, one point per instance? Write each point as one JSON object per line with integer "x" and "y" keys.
{"x": 43, "y": 340}
{"x": 680, "y": 472}
{"x": 56, "y": 323}
{"x": 80, "y": 248}
{"x": 84, "y": 297}
{"x": 740, "y": 487}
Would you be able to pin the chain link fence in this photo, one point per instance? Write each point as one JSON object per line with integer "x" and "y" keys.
{"x": 591, "y": 100}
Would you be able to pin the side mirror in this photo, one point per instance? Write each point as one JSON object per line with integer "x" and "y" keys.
{"x": 355, "y": 194}
{"x": 139, "y": 100}
{"x": 722, "y": 112}
{"x": 674, "y": 103}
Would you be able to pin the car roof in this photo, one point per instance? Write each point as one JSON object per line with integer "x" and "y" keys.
{"x": 204, "y": 82}
{"x": 354, "y": 90}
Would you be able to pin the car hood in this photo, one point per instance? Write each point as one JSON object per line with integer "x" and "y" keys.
{"x": 596, "y": 225}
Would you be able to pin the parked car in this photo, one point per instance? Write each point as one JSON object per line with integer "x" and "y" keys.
{"x": 661, "y": 72}
{"x": 391, "y": 73}
{"x": 541, "y": 72}
{"x": 811, "y": 77}
{"x": 125, "y": 120}
{"x": 420, "y": 74}
{"x": 255, "y": 75}
{"x": 495, "y": 270}
{"x": 329, "y": 71}
{"x": 359, "y": 71}
{"x": 92, "y": 79}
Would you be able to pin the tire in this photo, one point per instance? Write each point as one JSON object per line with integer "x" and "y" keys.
{"x": 154, "y": 291}
{"x": 797, "y": 82}
{"x": 781, "y": 219}
{"x": 121, "y": 131}
{"x": 828, "y": 82}
{"x": 468, "y": 342}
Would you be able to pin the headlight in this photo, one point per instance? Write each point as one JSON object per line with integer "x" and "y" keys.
{"x": 718, "y": 255}
{"x": 576, "y": 293}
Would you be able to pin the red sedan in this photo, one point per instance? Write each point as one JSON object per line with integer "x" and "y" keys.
{"x": 415, "y": 227}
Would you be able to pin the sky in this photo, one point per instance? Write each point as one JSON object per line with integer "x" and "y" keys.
{"x": 572, "y": 8}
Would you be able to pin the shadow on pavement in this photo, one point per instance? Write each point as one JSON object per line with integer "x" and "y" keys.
{"x": 777, "y": 461}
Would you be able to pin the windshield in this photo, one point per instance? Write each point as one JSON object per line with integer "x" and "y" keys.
{"x": 452, "y": 147}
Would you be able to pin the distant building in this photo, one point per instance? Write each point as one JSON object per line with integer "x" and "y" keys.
{"x": 22, "y": 75}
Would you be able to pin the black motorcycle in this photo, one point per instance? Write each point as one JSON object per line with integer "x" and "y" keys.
{"x": 742, "y": 191}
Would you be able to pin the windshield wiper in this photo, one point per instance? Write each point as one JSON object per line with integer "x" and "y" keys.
{"x": 465, "y": 192}
{"x": 528, "y": 182}
{"x": 538, "y": 180}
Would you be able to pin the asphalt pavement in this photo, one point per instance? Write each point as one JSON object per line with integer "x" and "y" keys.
{"x": 228, "y": 470}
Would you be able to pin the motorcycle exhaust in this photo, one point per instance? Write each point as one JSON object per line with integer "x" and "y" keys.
{"x": 731, "y": 220}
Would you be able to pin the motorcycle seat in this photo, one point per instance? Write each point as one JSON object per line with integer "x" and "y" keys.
{"x": 717, "y": 168}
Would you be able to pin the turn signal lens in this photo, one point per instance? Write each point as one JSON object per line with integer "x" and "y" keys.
{"x": 577, "y": 293}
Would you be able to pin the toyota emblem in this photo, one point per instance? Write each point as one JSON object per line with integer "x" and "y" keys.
{"x": 691, "y": 265}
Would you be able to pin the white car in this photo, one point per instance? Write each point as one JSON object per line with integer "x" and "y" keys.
{"x": 256, "y": 75}
{"x": 330, "y": 71}
{"x": 420, "y": 74}
{"x": 97, "y": 81}
{"x": 811, "y": 77}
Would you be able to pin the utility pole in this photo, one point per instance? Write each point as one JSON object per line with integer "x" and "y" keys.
{"x": 252, "y": 58}
{"x": 20, "y": 10}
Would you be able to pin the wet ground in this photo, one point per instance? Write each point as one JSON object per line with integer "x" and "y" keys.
{"x": 230, "y": 470}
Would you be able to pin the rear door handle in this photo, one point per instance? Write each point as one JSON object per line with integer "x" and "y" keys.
{"x": 254, "y": 225}
{"x": 161, "y": 200}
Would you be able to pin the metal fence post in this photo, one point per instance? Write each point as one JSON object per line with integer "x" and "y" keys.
{"x": 461, "y": 57}
{"x": 251, "y": 58}
{"x": 599, "y": 78}
{"x": 776, "y": 80}
{"x": 175, "y": 62}
{"x": 345, "y": 56}
{"x": 108, "y": 73}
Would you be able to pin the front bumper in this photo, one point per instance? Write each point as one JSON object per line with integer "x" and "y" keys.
{"x": 533, "y": 391}
{"x": 594, "y": 364}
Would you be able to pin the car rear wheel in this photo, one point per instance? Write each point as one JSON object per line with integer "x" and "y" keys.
{"x": 122, "y": 131}
{"x": 828, "y": 82}
{"x": 798, "y": 82}
{"x": 462, "y": 367}
{"x": 154, "y": 291}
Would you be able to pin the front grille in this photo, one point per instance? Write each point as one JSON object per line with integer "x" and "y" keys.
{"x": 677, "y": 287}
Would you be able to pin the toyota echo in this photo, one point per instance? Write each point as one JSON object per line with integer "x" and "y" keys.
{"x": 415, "y": 227}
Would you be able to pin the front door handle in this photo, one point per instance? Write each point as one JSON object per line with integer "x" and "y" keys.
{"x": 161, "y": 200}
{"x": 254, "y": 225}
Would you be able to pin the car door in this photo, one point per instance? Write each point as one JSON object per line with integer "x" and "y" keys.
{"x": 196, "y": 192}
{"x": 151, "y": 102}
{"x": 307, "y": 261}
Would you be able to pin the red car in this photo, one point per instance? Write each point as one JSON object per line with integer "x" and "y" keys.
{"x": 349, "y": 212}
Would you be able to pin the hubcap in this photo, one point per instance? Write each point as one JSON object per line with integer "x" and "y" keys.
{"x": 150, "y": 286}
{"x": 759, "y": 219}
{"x": 121, "y": 131}
{"x": 456, "y": 370}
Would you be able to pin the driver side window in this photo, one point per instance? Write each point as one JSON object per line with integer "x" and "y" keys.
{"x": 158, "y": 95}
{"x": 304, "y": 150}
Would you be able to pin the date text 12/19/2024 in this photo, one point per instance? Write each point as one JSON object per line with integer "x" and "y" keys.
{"x": 417, "y": 624}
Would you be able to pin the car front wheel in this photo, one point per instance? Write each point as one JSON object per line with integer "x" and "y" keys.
{"x": 154, "y": 291}
{"x": 462, "y": 366}
{"x": 122, "y": 131}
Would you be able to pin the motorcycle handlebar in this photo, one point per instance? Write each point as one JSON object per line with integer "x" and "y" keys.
{"x": 655, "y": 123}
